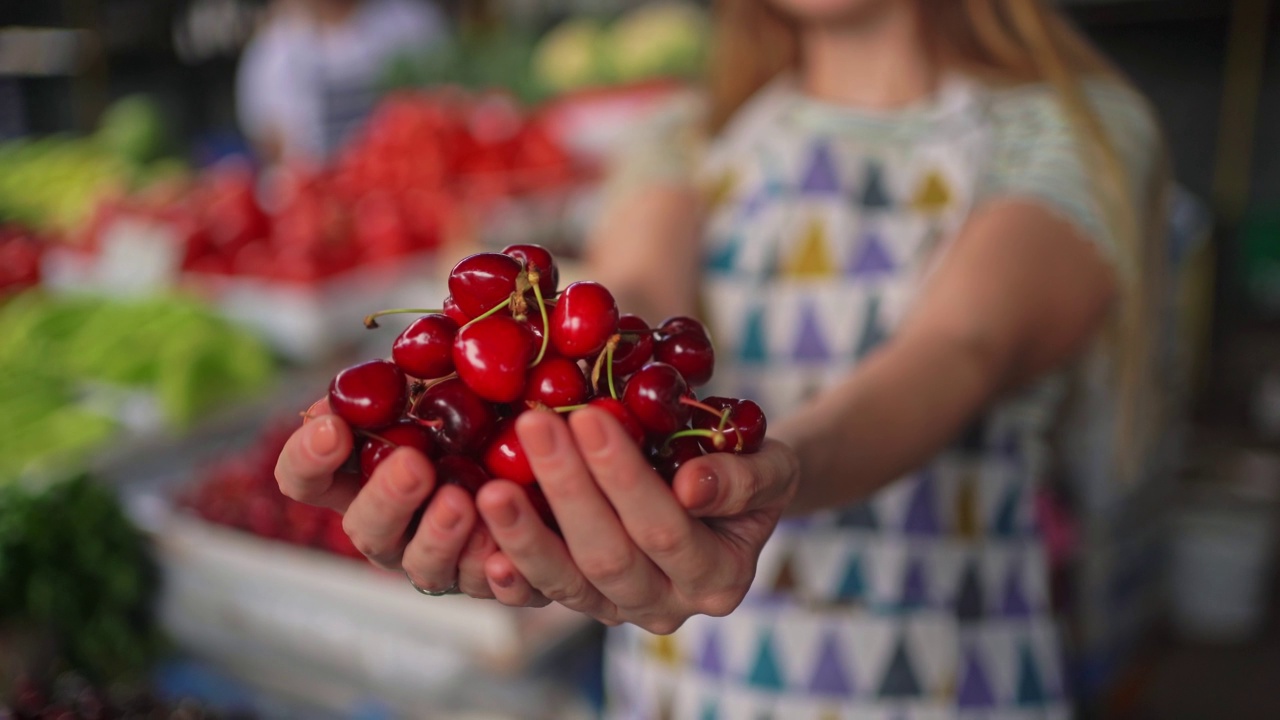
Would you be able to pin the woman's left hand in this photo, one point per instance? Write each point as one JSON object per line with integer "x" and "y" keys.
{"x": 633, "y": 550}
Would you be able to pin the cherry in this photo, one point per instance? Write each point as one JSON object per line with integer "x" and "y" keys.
{"x": 453, "y": 311}
{"x": 556, "y": 382}
{"x": 744, "y": 415}
{"x": 425, "y": 348}
{"x": 405, "y": 433}
{"x": 539, "y": 258}
{"x": 369, "y": 395}
{"x": 668, "y": 457}
{"x": 622, "y": 415}
{"x": 492, "y": 356}
{"x": 461, "y": 420}
{"x": 653, "y": 395}
{"x": 481, "y": 282}
{"x": 462, "y": 471}
{"x": 584, "y": 319}
{"x": 635, "y": 348}
{"x": 504, "y": 457}
{"x": 690, "y": 352}
{"x": 679, "y": 324}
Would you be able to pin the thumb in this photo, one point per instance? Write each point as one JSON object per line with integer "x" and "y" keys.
{"x": 725, "y": 485}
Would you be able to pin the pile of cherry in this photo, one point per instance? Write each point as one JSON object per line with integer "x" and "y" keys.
{"x": 508, "y": 341}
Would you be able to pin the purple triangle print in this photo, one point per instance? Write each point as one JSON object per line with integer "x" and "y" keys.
{"x": 871, "y": 258}
{"x": 756, "y": 202}
{"x": 809, "y": 343}
{"x": 1014, "y": 603}
{"x": 922, "y": 512}
{"x": 711, "y": 661}
{"x": 820, "y": 177}
{"x": 915, "y": 594}
{"x": 975, "y": 688}
{"x": 830, "y": 676}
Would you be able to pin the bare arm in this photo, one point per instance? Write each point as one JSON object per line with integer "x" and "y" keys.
{"x": 1019, "y": 294}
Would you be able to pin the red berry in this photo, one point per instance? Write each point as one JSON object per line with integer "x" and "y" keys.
{"x": 745, "y": 415}
{"x": 405, "y": 433}
{"x": 461, "y": 471}
{"x": 667, "y": 457}
{"x": 636, "y": 346}
{"x": 492, "y": 357}
{"x": 679, "y": 324}
{"x": 481, "y": 282}
{"x": 464, "y": 420}
{"x": 622, "y": 415}
{"x": 556, "y": 382}
{"x": 369, "y": 395}
{"x": 504, "y": 457}
{"x": 425, "y": 348}
{"x": 584, "y": 319}
{"x": 454, "y": 312}
{"x": 653, "y": 397}
{"x": 690, "y": 352}
{"x": 536, "y": 256}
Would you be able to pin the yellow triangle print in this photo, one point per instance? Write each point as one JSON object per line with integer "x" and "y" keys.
{"x": 947, "y": 690}
{"x": 813, "y": 257}
{"x": 721, "y": 189}
{"x": 932, "y": 195}
{"x": 663, "y": 649}
{"x": 967, "y": 507}
{"x": 829, "y": 715}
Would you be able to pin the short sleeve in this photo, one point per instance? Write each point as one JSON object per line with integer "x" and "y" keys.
{"x": 1036, "y": 154}
{"x": 661, "y": 149}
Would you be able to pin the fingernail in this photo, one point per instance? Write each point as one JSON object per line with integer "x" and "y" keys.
{"x": 505, "y": 580}
{"x": 505, "y": 514}
{"x": 538, "y": 437}
{"x": 705, "y": 492}
{"x": 590, "y": 433}
{"x": 323, "y": 440}
{"x": 449, "y": 515}
{"x": 405, "y": 477}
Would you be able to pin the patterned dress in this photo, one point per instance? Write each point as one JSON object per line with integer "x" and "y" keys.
{"x": 929, "y": 601}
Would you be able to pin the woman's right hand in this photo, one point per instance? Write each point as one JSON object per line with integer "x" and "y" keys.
{"x": 448, "y": 545}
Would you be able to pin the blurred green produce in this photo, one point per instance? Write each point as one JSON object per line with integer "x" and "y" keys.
{"x": 56, "y": 352}
{"x": 476, "y": 60}
{"x": 665, "y": 39}
{"x": 573, "y": 55}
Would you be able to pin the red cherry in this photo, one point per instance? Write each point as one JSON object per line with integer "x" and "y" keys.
{"x": 636, "y": 346}
{"x": 690, "y": 352}
{"x": 461, "y": 471}
{"x": 556, "y": 382}
{"x": 745, "y": 415}
{"x": 425, "y": 348}
{"x": 405, "y": 433}
{"x": 584, "y": 319}
{"x": 504, "y": 457}
{"x": 653, "y": 396}
{"x": 464, "y": 420}
{"x": 454, "y": 312}
{"x": 492, "y": 357}
{"x": 622, "y": 415}
{"x": 369, "y": 395}
{"x": 680, "y": 323}
{"x": 667, "y": 458}
{"x": 481, "y": 282}
{"x": 536, "y": 256}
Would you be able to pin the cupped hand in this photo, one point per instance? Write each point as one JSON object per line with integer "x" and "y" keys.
{"x": 633, "y": 549}
{"x": 447, "y": 545}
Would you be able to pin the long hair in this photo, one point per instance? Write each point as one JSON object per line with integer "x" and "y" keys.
{"x": 1006, "y": 42}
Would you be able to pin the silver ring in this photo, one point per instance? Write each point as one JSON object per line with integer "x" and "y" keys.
{"x": 433, "y": 593}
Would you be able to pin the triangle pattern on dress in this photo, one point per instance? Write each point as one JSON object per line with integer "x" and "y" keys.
{"x": 1030, "y": 685}
{"x": 723, "y": 258}
{"x": 663, "y": 649}
{"x": 969, "y": 604}
{"x": 812, "y": 258}
{"x": 967, "y": 506}
{"x": 785, "y": 580}
{"x": 820, "y": 176}
{"x": 932, "y": 194}
{"x": 975, "y": 688}
{"x": 853, "y": 585}
{"x": 1006, "y": 522}
{"x": 1013, "y": 602}
{"x": 874, "y": 195}
{"x": 862, "y": 515}
{"x": 900, "y": 680}
{"x": 873, "y": 334}
{"x": 765, "y": 671}
{"x": 754, "y": 348}
{"x": 922, "y": 510}
{"x": 831, "y": 676}
{"x": 719, "y": 190}
{"x": 871, "y": 258}
{"x": 915, "y": 593}
{"x": 810, "y": 345}
{"x": 711, "y": 659}
{"x": 710, "y": 711}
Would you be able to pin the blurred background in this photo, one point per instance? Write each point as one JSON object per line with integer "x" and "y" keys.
{"x": 189, "y": 237}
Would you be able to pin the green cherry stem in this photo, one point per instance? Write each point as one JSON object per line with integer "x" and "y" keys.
{"x": 568, "y": 408}
{"x": 724, "y": 418}
{"x": 371, "y": 321}
{"x": 490, "y": 312}
{"x": 717, "y": 437}
{"x": 608, "y": 364}
{"x": 542, "y": 310}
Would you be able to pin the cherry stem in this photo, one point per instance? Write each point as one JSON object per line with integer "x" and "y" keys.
{"x": 568, "y": 408}
{"x": 542, "y": 310}
{"x": 717, "y": 437}
{"x": 355, "y": 430}
{"x": 608, "y": 351}
{"x": 724, "y": 419}
{"x": 700, "y": 405}
{"x": 723, "y": 415}
{"x": 490, "y": 312}
{"x": 433, "y": 424}
{"x": 371, "y": 321}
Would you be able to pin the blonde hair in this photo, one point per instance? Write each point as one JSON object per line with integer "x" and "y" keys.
{"x": 1009, "y": 42}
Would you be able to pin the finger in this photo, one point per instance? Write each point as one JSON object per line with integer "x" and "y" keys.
{"x": 509, "y": 586}
{"x": 536, "y": 552}
{"x": 431, "y": 556}
{"x": 307, "y": 465}
{"x": 378, "y": 519}
{"x": 725, "y": 485}
{"x": 659, "y": 526}
{"x": 471, "y": 574}
{"x": 317, "y": 409}
{"x": 597, "y": 541}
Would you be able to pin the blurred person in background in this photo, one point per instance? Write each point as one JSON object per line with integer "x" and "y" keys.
{"x": 311, "y": 74}
{"x": 910, "y": 223}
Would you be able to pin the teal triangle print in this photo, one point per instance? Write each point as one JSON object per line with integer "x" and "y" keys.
{"x": 873, "y": 333}
{"x": 922, "y": 511}
{"x": 723, "y": 258}
{"x": 915, "y": 593}
{"x": 853, "y": 586}
{"x": 874, "y": 195}
{"x": 871, "y": 259}
{"x": 1006, "y": 524}
{"x": 710, "y": 710}
{"x": 975, "y": 689}
{"x": 1030, "y": 686}
{"x": 969, "y": 603}
{"x": 899, "y": 680}
{"x": 830, "y": 675}
{"x": 820, "y": 176}
{"x": 765, "y": 672}
{"x": 810, "y": 345}
{"x": 862, "y": 515}
{"x": 754, "y": 349}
